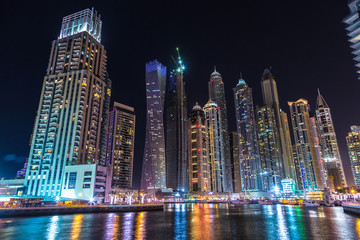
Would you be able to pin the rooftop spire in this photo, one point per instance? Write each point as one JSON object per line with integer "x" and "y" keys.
{"x": 320, "y": 102}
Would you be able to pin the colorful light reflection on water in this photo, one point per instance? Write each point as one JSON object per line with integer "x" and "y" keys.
{"x": 191, "y": 221}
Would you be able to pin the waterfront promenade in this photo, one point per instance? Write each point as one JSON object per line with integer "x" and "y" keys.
{"x": 42, "y": 211}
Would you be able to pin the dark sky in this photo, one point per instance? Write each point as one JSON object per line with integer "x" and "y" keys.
{"x": 304, "y": 41}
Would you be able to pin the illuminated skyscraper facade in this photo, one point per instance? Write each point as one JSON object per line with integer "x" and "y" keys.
{"x": 235, "y": 161}
{"x": 199, "y": 169}
{"x": 250, "y": 165}
{"x": 154, "y": 165}
{"x": 328, "y": 143}
{"x": 269, "y": 148}
{"x": 216, "y": 148}
{"x": 217, "y": 94}
{"x": 353, "y": 31}
{"x": 120, "y": 145}
{"x": 73, "y": 107}
{"x": 353, "y": 144}
{"x": 177, "y": 169}
{"x": 305, "y": 146}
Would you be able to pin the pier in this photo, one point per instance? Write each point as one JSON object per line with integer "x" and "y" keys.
{"x": 352, "y": 208}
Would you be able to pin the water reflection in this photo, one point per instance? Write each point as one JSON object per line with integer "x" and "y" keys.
{"x": 180, "y": 222}
{"x": 76, "y": 226}
{"x": 53, "y": 227}
{"x": 140, "y": 225}
{"x": 128, "y": 225}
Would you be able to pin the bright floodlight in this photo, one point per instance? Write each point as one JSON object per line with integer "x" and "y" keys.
{"x": 57, "y": 198}
{"x": 276, "y": 189}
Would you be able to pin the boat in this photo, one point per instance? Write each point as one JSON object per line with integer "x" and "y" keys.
{"x": 240, "y": 201}
{"x": 312, "y": 203}
{"x": 265, "y": 202}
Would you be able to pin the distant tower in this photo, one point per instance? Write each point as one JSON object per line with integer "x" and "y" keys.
{"x": 248, "y": 147}
{"x": 70, "y": 126}
{"x": 217, "y": 94}
{"x": 120, "y": 147}
{"x": 328, "y": 143}
{"x": 269, "y": 148}
{"x": 199, "y": 169}
{"x": 235, "y": 161}
{"x": 153, "y": 169}
{"x": 216, "y": 149}
{"x": 353, "y": 144}
{"x": 305, "y": 146}
{"x": 176, "y": 131}
{"x": 353, "y": 29}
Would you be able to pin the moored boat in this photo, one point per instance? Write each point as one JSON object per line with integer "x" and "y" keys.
{"x": 312, "y": 203}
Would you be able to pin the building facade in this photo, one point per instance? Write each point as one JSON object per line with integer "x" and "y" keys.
{"x": 120, "y": 145}
{"x": 216, "y": 148}
{"x": 305, "y": 146}
{"x": 353, "y": 144}
{"x": 176, "y": 122}
{"x": 72, "y": 112}
{"x": 199, "y": 169}
{"x": 154, "y": 165}
{"x": 328, "y": 143}
{"x": 217, "y": 94}
{"x": 353, "y": 31}
{"x": 250, "y": 165}
{"x": 235, "y": 162}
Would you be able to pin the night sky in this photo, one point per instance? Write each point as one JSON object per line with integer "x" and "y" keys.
{"x": 304, "y": 41}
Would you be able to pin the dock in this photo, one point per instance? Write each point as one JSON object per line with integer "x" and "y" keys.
{"x": 45, "y": 211}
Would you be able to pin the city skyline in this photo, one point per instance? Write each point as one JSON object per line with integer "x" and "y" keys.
{"x": 230, "y": 76}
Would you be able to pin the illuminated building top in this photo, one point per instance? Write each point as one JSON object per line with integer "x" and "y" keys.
{"x": 84, "y": 21}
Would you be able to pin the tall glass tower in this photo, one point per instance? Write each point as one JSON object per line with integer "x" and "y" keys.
{"x": 353, "y": 144}
{"x": 153, "y": 169}
{"x": 217, "y": 94}
{"x": 250, "y": 166}
{"x": 70, "y": 126}
{"x": 328, "y": 143}
{"x": 353, "y": 31}
{"x": 120, "y": 145}
{"x": 305, "y": 146}
{"x": 176, "y": 131}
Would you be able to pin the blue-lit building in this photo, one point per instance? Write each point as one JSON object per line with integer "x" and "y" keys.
{"x": 250, "y": 166}
{"x": 70, "y": 126}
{"x": 154, "y": 168}
{"x": 353, "y": 31}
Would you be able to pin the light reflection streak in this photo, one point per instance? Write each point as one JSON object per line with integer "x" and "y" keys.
{"x": 283, "y": 230}
{"x": 53, "y": 228}
{"x": 202, "y": 222}
{"x": 269, "y": 221}
{"x": 140, "y": 225}
{"x": 180, "y": 231}
{"x": 76, "y": 226}
{"x": 358, "y": 227}
{"x": 112, "y": 226}
{"x": 128, "y": 225}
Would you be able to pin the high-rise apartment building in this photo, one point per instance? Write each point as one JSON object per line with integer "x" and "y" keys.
{"x": 120, "y": 145}
{"x": 154, "y": 165}
{"x": 235, "y": 161}
{"x": 250, "y": 165}
{"x": 216, "y": 148}
{"x": 353, "y": 144}
{"x": 298, "y": 173}
{"x": 72, "y": 112}
{"x": 217, "y": 94}
{"x": 305, "y": 146}
{"x": 328, "y": 143}
{"x": 199, "y": 169}
{"x": 269, "y": 148}
{"x": 176, "y": 122}
{"x": 353, "y": 31}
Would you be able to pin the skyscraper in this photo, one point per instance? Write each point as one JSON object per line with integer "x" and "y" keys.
{"x": 271, "y": 99}
{"x": 72, "y": 107}
{"x": 154, "y": 165}
{"x": 120, "y": 145}
{"x": 353, "y": 29}
{"x": 305, "y": 146}
{"x": 216, "y": 148}
{"x": 217, "y": 94}
{"x": 176, "y": 131}
{"x": 199, "y": 169}
{"x": 353, "y": 144}
{"x": 328, "y": 143}
{"x": 250, "y": 166}
{"x": 235, "y": 161}
{"x": 269, "y": 148}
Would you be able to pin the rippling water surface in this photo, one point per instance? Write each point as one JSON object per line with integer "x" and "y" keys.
{"x": 191, "y": 221}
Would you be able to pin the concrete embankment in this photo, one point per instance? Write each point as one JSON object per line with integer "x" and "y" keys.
{"x": 41, "y": 211}
{"x": 352, "y": 208}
